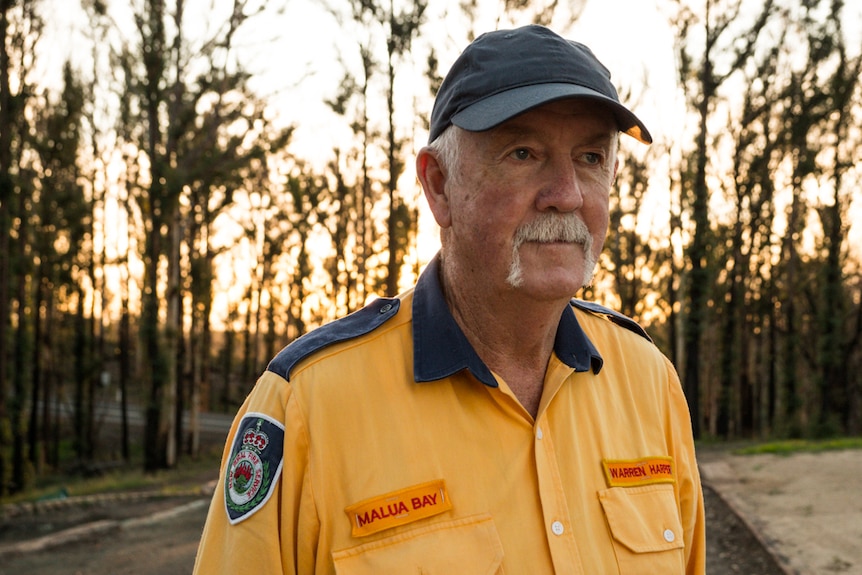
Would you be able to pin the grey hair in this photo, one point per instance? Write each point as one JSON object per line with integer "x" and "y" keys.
{"x": 448, "y": 149}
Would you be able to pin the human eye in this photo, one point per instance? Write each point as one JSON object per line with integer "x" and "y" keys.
{"x": 593, "y": 158}
{"x": 520, "y": 154}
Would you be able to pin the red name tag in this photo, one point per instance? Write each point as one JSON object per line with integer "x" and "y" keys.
{"x": 398, "y": 508}
{"x": 632, "y": 472}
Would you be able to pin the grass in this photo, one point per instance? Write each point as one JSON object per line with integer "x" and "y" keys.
{"x": 184, "y": 478}
{"x": 187, "y": 475}
{"x": 791, "y": 446}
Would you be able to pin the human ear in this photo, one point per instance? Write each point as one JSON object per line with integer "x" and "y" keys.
{"x": 433, "y": 179}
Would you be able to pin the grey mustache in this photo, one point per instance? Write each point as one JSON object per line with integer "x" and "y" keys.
{"x": 554, "y": 228}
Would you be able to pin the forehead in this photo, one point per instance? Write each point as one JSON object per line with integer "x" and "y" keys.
{"x": 582, "y": 110}
{"x": 579, "y": 121}
{"x": 584, "y": 120}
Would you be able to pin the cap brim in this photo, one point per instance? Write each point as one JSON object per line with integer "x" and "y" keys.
{"x": 497, "y": 108}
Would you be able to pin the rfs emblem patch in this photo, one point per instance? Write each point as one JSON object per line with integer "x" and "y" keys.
{"x": 254, "y": 466}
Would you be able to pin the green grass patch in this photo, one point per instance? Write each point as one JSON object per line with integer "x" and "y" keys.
{"x": 791, "y": 446}
{"x": 184, "y": 478}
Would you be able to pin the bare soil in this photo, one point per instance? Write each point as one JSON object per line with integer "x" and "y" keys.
{"x": 805, "y": 507}
{"x": 155, "y": 531}
{"x": 163, "y": 543}
{"x": 731, "y": 549}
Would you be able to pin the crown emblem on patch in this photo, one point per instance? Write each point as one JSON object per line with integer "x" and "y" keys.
{"x": 254, "y": 465}
{"x": 255, "y": 438}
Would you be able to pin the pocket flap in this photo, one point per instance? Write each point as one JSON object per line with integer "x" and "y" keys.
{"x": 643, "y": 519}
{"x": 469, "y": 545}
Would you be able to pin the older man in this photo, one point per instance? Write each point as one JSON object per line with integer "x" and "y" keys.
{"x": 482, "y": 422}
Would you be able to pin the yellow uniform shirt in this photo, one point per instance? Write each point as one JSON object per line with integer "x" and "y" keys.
{"x": 382, "y": 444}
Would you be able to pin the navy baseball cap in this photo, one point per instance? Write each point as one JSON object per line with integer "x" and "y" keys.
{"x": 507, "y": 72}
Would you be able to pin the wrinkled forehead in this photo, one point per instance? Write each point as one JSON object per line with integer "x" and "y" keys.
{"x": 585, "y": 109}
{"x": 588, "y": 118}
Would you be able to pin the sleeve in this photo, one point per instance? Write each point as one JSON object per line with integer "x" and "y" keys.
{"x": 688, "y": 488}
{"x": 262, "y": 518}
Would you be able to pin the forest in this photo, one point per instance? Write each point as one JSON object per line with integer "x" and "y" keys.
{"x": 164, "y": 231}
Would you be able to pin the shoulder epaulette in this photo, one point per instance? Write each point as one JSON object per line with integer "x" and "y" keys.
{"x": 358, "y": 323}
{"x": 614, "y": 316}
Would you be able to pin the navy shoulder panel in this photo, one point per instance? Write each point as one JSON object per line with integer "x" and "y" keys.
{"x": 614, "y": 316}
{"x": 354, "y": 325}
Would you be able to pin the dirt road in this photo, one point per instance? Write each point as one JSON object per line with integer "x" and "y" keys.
{"x": 805, "y": 506}
{"x": 162, "y": 541}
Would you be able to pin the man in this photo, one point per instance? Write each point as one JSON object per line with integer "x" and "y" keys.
{"x": 482, "y": 422}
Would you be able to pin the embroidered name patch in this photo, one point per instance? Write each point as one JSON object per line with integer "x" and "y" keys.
{"x": 398, "y": 508}
{"x": 254, "y": 465}
{"x": 633, "y": 472}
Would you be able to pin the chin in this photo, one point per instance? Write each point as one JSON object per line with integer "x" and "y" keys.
{"x": 549, "y": 264}
{"x": 551, "y": 286}
{"x": 557, "y": 278}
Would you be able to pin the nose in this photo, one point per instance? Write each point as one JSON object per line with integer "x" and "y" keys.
{"x": 562, "y": 189}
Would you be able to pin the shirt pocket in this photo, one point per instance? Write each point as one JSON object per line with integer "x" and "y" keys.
{"x": 469, "y": 546}
{"x": 646, "y": 529}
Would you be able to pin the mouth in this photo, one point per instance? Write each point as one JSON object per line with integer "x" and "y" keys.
{"x": 558, "y": 242}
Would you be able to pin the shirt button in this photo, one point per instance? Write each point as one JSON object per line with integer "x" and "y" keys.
{"x": 539, "y": 433}
{"x": 557, "y": 528}
{"x": 669, "y": 536}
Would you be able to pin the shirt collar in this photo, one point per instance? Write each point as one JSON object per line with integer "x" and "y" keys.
{"x": 440, "y": 348}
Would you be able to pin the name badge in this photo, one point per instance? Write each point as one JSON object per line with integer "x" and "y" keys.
{"x": 635, "y": 472}
{"x": 398, "y": 508}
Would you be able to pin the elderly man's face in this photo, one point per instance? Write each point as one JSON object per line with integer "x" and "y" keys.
{"x": 529, "y": 204}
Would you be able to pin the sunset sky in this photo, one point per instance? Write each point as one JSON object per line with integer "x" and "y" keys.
{"x": 295, "y": 58}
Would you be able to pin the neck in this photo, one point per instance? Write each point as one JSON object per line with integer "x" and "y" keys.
{"x": 511, "y": 332}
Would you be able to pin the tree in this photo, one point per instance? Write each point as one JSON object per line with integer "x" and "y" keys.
{"x": 7, "y": 190}
{"x": 746, "y": 243}
{"x": 636, "y": 254}
{"x": 702, "y": 80}
{"x": 62, "y": 245}
{"x": 401, "y": 223}
{"x": 196, "y": 141}
{"x": 20, "y": 31}
{"x": 818, "y": 138}
{"x": 836, "y": 135}
{"x": 351, "y": 204}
